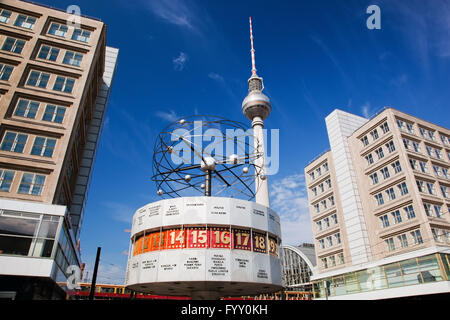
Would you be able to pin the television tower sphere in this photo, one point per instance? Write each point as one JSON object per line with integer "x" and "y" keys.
{"x": 256, "y": 103}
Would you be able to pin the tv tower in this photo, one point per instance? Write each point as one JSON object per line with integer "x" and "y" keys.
{"x": 256, "y": 107}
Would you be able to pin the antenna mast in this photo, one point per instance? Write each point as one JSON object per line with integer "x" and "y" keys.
{"x": 252, "y": 49}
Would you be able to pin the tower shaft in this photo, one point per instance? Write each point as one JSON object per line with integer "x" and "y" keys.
{"x": 261, "y": 180}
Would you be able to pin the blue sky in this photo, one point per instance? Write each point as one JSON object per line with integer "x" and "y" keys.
{"x": 179, "y": 58}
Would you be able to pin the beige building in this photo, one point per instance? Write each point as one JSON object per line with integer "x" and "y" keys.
{"x": 379, "y": 202}
{"x": 55, "y": 79}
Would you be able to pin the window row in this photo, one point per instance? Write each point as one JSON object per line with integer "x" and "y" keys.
{"x": 30, "y": 109}
{"x": 426, "y": 187}
{"x": 327, "y": 222}
{"x": 390, "y": 193}
{"x": 30, "y": 183}
{"x": 385, "y": 173}
{"x": 425, "y": 133}
{"x": 434, "y": 152}
{"x": 318, "y": 171}
{"x": 433, "y": 210}
{"x": 397, "y": 216}
{"x": 441, "y": 235}
{"x": 40, "y": 79}
{"x": 16, "y": 142}
{"x": 404, "y": 240}
{"x": 330, "y": 241}
{"x": 324, "y": 204}
{"x": 321, "y": 187}
{"x": 332, "y": 260}
{"x": 380, "y": 152}
{"x": 374, "y": 134}
{"x": 56, "y": 29}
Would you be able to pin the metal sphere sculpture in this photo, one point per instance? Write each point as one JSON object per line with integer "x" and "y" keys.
{"x": 206, "y": 155}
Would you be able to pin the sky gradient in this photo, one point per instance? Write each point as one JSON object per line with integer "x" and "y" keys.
{"x": 179, "y": 58}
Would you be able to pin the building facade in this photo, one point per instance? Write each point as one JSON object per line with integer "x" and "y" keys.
{"x": 379, "y": 202}
{"x": 55, "y": 81}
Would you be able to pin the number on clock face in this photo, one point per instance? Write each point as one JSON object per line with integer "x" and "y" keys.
{"x": 197, "y": 237}
{"x": 259, "y": 242}
{"x": 242, "y": 239}
{"x": 273, "y": 246}
{"x": 220, "y": 238}
{"x": 175, "y": 239}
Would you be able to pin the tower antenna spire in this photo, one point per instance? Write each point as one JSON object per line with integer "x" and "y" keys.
{"x": 252, "y": 49}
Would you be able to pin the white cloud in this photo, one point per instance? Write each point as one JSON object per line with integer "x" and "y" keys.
{"x": 289, "y": 200}
{"x": 173, "y": 11}
{"x": 120, "y": 212}
{"x": 365, "y": 109}
{"x": 180, "y": 61}
{"x": 216, "y": 76}
{"x": 167, "y": 115}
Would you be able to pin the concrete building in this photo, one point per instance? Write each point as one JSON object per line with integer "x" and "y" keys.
{"x": 379, "y": 202}
{"x": 55, "y": 81}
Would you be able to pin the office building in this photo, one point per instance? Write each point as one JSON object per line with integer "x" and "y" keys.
{"x": 379, "y": 202}
{"x": 55, "y": 80}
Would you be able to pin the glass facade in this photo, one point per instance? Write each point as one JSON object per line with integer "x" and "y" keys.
{"x": 430, "y": 268}
{"x": 37, "y": 235}
{"x": 296, "y": 274}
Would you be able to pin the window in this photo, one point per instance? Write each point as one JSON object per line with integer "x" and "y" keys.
{"x": 423, "y": 167}
{"x": 390, "y": 193}
{"x": 420, "y": 185}
{"x": 437, "y": 170}
{"x": 24, "y": 21}
{"x": 385, "y": 172}
{"x": 369, "y": 159}
{"x": 384, "y": 127}
{"x": 379, "y": 199}
{"x": 321, "y": 187}
{"x": 54, "y": 113}
{"x": 13, "y": 141}
{"x": 324, "y": 263}
{"x": 396, "y": 166}
{"x": 331, "y": 199}
{"x": 445, "y": 140}
{"x": 43, "y": 147}
{"x": 413, "y": 164}
{"x": 311, "y": 175}
{"x": 403, "y": 240}
{"x": 26, "y": 108}
{"x": 73, "y": 58}
{"x": 431, "y": 135}
{"x": 314, "y": 191}
{"x": 341, "y": 258}
{"x": 428, "y": 209}
{"x": 379, "y": 153}
{"x": 416, "y": 146}
{"x": 417, "y": 236}
{"x": 57, "y": 29}
{"x": 334, "y": 218}
{"x": 324, "y": 204}
{"x": 81, "y": 35}
{"x": 384, "y": 221}
{"x": 444, "y": 190}
{"x": 390, "y": 146}
{"x": 319, "y": 225}
{"x": 4, "y": 15}
{"x": 396, "y": 216}
{"x": 325, "y": 166}
{"x": 438, "y": 153}
{"x": 63, "y": 84}
{"x": 407, "y": 143}
{"x": 430, "y": 187}
{"x": 423, "y": 132}
{"x": 329, "y": 241}
{"x": 13, "y": 45}
{"x": 390, "y": 244}
{"x": 322, "y": 243}
{"x": 327, "y": 222}
{"x": 374, "y": 178}
{"x": 430, "y": 151}
{"x": 316, "y": 208}
{"x": 38, "y": 79}
{"x": 445, "y": 172}
{"x": 400, "y": 124}
{"x": 374, "y": 134}
{"x": 333, "y": 261}
{"x": 32, "y": 184}
{"x": 319, "y": 171}
{"x": 6, "y": 178}
{"x": 337, "y": 237}
{"x": 5, "y": 71}
{"x": 409, "y": 211}
{"x": 403, "y": 188}
{"x": 48, "y": 53}
{"x": 437, "y": 210}
{"x": 365, "y": 141}
{"x": 410, "y": 128}
{"x": 328, "y": 182}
